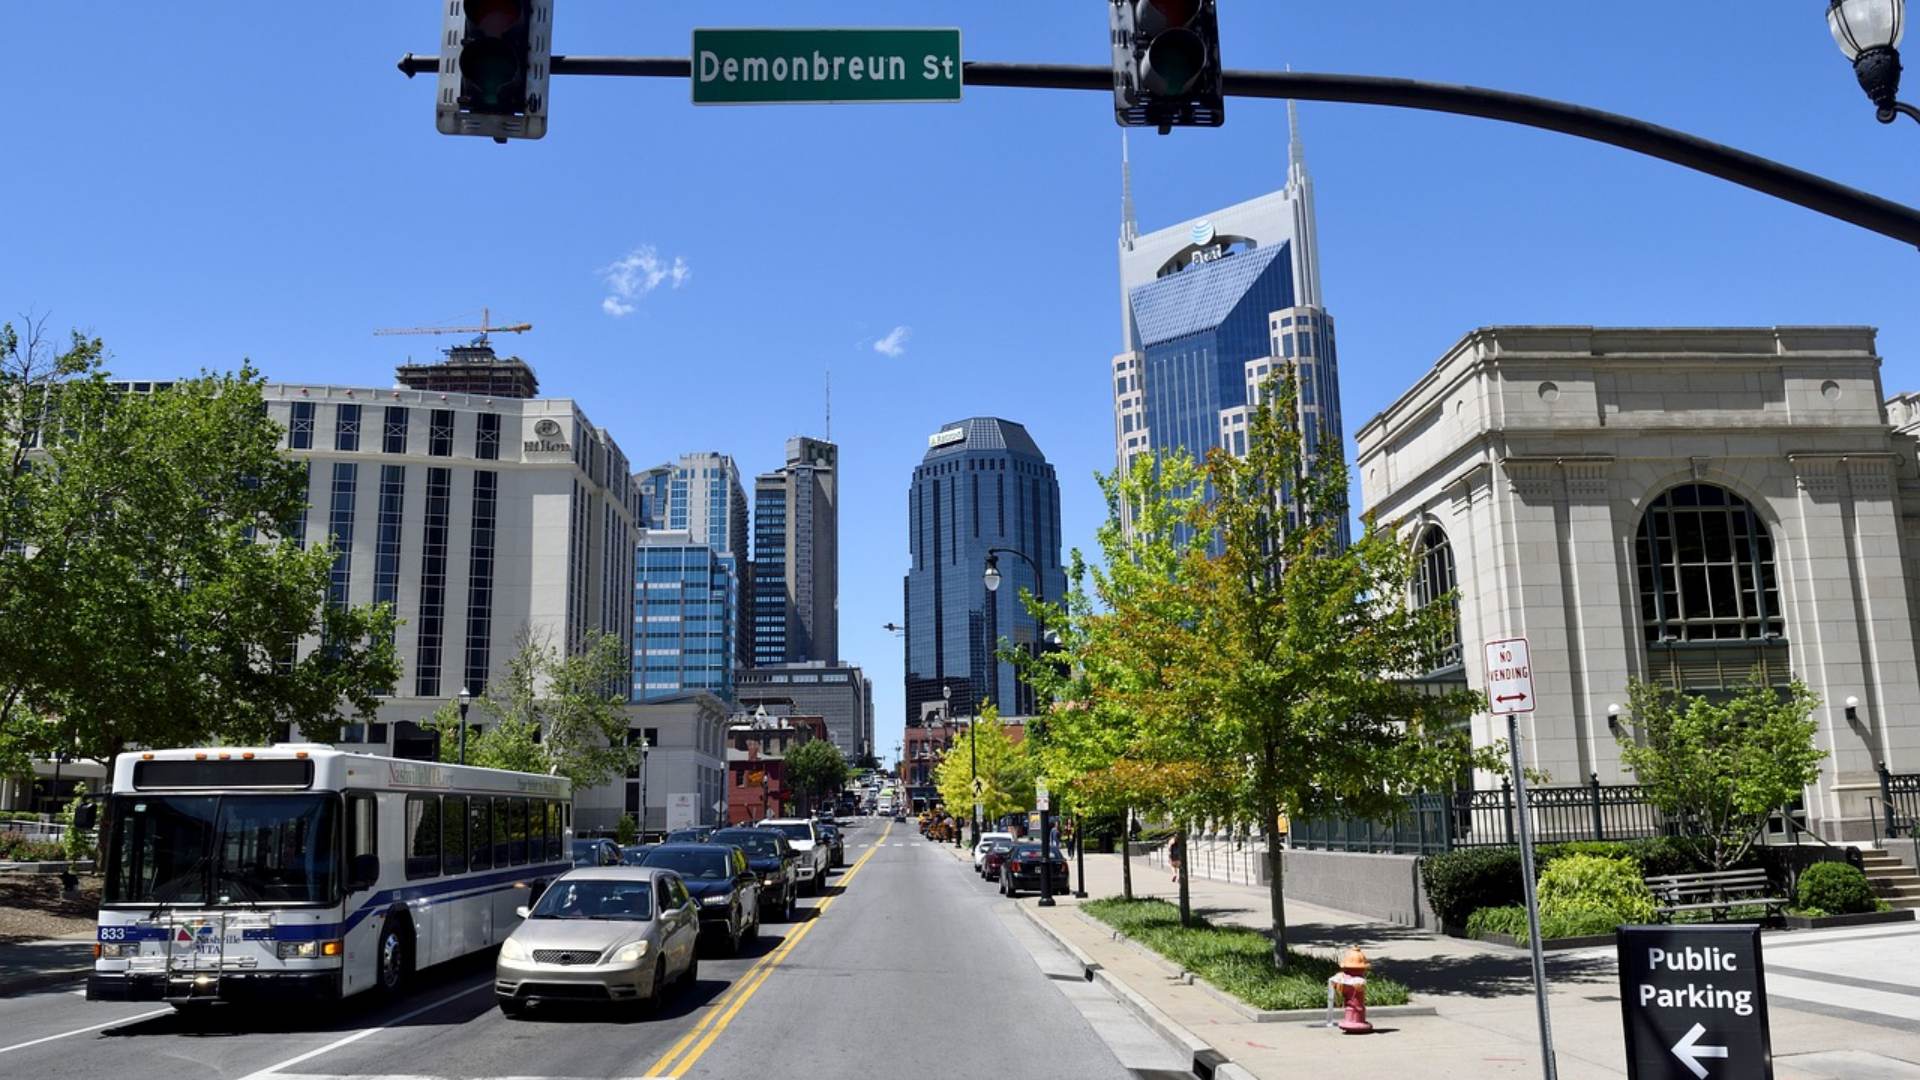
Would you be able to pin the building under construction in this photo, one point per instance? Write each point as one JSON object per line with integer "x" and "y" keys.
{"x": 472, "y": 369}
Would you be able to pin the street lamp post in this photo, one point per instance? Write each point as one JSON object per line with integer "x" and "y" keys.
{"x": 466, "y": 699}
{"x": 1868, "y": 33}
{"x": 992, "y": 579}
{"x": 644, "y": 747}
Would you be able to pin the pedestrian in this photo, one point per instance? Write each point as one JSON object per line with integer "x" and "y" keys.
{"x": 1177, "y": 854}
{"x": 1071, "y": 834}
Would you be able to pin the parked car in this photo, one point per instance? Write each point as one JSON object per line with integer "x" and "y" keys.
{"x": 727, "y": 892}
{"x": 596, "y": 853}
{"x": 621, "y": 934}
{"x": 835, "y": 843}
{"x": 774, "y": 859}
{"x": 815, "y": 857}
{"x": 996, "y": 854}
{"x": 980, "y": 849}
{"x": 696, "y": 835}
{"x": 1023, "y": 866}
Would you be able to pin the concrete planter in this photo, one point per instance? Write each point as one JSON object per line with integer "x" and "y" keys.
{"x": 84, "y": 866}
{"x": 1865, "y": 918}
{"x": 1589, "y": 941}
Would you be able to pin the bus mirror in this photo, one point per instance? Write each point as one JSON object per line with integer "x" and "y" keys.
{"x": 86, "y": 815}
{"x": 364, "y": 872}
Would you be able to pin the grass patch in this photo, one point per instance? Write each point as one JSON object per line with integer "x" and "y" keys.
{"x": 1236, "y": 959}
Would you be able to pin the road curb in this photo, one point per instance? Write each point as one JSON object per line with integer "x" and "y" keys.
{"x": 40, "y": 980}
{"x": 1208, "y": 1062}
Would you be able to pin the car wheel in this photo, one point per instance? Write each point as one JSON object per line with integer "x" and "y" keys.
{"x": 394, "y": 960}
{"x": 753, "y": 928}
{"x": 692, "y": 974}
{"x": 786, "y": 914}
{"x": 735, "y": 933}
{"x": 512, "y": 1008}
{"x": 660, "y": 984}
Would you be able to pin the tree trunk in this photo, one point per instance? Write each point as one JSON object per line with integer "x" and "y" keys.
{"x": 1126, "y": 855}
{"x": 1276, "y": 880}
{"x": 1186, "y": 857}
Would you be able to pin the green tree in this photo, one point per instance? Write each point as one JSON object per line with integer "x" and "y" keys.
{"x": 626, "y": 831}
{"x": 1006, "y": 770}
{"x": 548, "y": 712}
{"x": 1305, "y": 647}
{"x": 1721, "y": 766}
{"x": 152, "y": 588}
{"x": 815, "y": 768}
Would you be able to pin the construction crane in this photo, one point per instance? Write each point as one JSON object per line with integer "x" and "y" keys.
{"x": 486, "y": 327}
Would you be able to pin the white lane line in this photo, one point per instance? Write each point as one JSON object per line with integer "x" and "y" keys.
{"x": 273, "y": 1070}
{"x": 90, "y": 1027}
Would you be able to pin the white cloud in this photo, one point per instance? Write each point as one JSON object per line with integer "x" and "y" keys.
{"x": 895, "y": 343}
{"x": 638, "y": 273}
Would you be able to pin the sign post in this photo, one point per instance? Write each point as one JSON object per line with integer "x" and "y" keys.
{"x": 1510, "y": 692}
{"x": 825, "y": 66}
{"x": 1693, "y": 1001}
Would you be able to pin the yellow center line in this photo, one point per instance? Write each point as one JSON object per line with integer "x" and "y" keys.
{"x": 728, "y": 1005}
{"x": 722, "y": 1013}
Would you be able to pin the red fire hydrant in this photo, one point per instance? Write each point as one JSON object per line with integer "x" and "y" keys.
{"x": 1350, "y": 983}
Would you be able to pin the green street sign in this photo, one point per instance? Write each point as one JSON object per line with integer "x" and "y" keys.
{"x": 796, "y": 67}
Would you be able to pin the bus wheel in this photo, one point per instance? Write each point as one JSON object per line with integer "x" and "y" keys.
{"x": 395, "y": 958}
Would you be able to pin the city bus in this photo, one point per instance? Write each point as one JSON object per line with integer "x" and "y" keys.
{"x": 297, "y": 871}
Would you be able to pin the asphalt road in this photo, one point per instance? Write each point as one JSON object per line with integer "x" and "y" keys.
{"x": 906, "y": 966}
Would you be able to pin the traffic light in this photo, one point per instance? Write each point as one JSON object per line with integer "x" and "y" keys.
{"x": 1166, "y": 64}
{"x": 493, "y": 68}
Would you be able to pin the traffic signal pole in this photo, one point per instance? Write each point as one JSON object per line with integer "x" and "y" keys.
{"x": 1816, "y": 193}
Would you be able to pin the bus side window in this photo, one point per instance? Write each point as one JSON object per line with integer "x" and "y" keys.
{"x": 517, "y": 833}
{"x": 553, "y": 830}
{"x": 500, "y": 807}
{"x": 453, "y": 833}
{"x": 423, "y": 836}
{"x": 481, "y": 853}
{"x": 363, "y": 839}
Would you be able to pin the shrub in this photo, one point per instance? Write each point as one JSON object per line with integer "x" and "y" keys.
{"x": 15, "y": 847}
{"x": 1571, "y": 919}
{"x": 1654, "y": 855}
{"x": 1510, "y": 920}
{"x": 1462, "y": 882}
{"x": 1835, "y": 888}
{"x": 1580, "y": 885}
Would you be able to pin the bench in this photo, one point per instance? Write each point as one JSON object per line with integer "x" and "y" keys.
{"x": 1715, "y": 891}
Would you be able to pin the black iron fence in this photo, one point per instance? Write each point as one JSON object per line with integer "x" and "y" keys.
{"x": 1436, "y": 822}
{"x": 1900, "y": 802}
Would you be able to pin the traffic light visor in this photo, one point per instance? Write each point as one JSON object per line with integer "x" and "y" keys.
{"x": 495, "y": 18}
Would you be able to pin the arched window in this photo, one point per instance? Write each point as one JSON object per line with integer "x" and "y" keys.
{"x": 1706, "y": 569}
{"x": 1434, "y": 579}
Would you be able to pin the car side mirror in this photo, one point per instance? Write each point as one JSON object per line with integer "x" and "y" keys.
{"x": 521, "y": 911}
{"x": 364, "y": 873}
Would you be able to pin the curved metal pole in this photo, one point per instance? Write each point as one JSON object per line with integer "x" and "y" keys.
{"x": 1886, "y": 113}
{"x": 1871, "y": 212}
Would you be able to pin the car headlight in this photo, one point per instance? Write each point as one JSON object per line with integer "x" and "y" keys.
{"x": 630, "y": 953}
{"x": 716, "y": 901}
{"x": 768, "y": 879}
{"x": 511, "y": 949}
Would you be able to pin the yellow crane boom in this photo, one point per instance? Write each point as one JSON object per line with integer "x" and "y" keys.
{"x": 485, "y": 328}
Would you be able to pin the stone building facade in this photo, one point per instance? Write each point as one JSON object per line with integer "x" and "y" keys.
{"x": 1679, "y": 505}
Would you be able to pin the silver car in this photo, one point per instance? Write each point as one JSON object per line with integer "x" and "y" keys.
{"x": 601, "y": 933}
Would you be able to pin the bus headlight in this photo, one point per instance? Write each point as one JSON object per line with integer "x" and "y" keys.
{"x": 306, "y": 950}
{"x": 511, "y": 949}
{"x": 631, "y": 954}
{"x": 114, "y": 950}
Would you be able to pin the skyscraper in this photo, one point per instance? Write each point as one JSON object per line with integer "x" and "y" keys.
{"x": 796, "y": 557}
{"x": 702, "y": 497}
{"x": 685, "y": 595}
{"x": 983, "y": 484}
{"x": 1211, "y": 309}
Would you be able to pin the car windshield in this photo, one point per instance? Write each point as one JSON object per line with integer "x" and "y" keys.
{"x": 634, "y": 856}
{"x": 687, "y": 836}
{"x": 795, "y": 830}
{"x": 593, "y": 898}
{"x": 1001, "y": 846}
{"x": 694, "y": 865}
{"x": 222, "y": 849}
{"x": 1028, "y": 851}
{"x": 586, "y": 851}
{"x": 751, "y": 843}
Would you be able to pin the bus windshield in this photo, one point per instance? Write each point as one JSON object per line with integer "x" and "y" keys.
{"x": 222, "y": 849}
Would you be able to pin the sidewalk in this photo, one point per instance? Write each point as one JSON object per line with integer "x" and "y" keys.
{"x": 1486, "y": 1023}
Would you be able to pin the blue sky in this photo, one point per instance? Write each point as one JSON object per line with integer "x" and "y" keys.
{"x": 211, "y": 183}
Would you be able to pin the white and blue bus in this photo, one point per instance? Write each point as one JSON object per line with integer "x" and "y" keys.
{"x": 303, "y": 872}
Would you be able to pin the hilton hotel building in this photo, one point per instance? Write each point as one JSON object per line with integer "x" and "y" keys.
{"x": 475, "y": 508}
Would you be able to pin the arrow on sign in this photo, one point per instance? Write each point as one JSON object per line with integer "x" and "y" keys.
{"x": 1511, "y": 697}
{"x": 1690, "y": 1052}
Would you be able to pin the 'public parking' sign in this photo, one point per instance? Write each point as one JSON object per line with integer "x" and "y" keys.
{"x": 1694, "y": 1002}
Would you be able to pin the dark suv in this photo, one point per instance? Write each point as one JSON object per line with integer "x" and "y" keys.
{"x": 727, "y": 892}
{"x": 770, "y": 856}
{"x": 1023, "y": 865}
